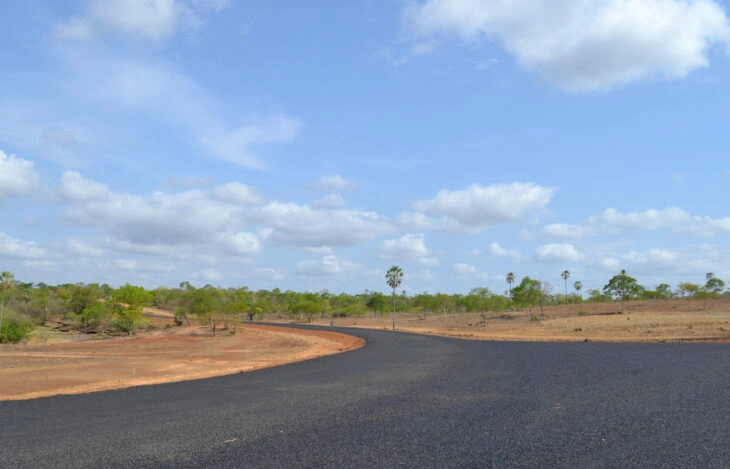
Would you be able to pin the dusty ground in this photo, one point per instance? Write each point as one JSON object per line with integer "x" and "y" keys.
{"x": 74, "y": 364}
{"x": 55, "y": 363}
{"x": 643, "y": 321}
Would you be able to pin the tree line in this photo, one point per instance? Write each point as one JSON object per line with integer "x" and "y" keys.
{"x": 102, "y": 309}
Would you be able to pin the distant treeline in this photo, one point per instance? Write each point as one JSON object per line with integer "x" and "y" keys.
{"x": 102, "y": 309}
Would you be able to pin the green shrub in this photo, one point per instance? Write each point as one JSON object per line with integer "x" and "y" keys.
{"x": 582, "y": 313}
{"x": 15, "y": 328}
{"x": 122, "y": 324}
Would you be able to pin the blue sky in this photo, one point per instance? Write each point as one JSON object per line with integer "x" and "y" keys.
{"x": 312, "y": 145}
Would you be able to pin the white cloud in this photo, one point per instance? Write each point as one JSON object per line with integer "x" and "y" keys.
{"x": 408, "y": 246}
{"x": 478, "y": 206}
{"x": 426, "y": 275}
{"x": 17, "y": 176}
{"x": 41, "y": 266}
{"x": 270, "y": 273}
{"x": 331, "y": 201}
{"x": 497, "y": 250}
{"x": 159, "y": 218}
{"x": 237, "y": 193}
{"x": 157, "y": 221}
{"x": 688, "y": 260}
{"x": 75, "y": 188}
{"x": 328, "y": 265}
{"x": 189, "y": 181}
{"x": 558, "y": 252}
{"x": 612, "y": 221}
{"x": 236, "y": 145}
{"x": 149, "y": 249}
{"x": 77, "y": 247}
{"x": 209, "y": 275}
{"x": 150, "y": 20}
{"x": 568, "y": 42}
{"x": 160, "y": 90}
{"x": 429, "y": 261}
{"x": 564, "y": 230}
{"x": 241, "y": 243}
{"x": 420, "y": 221}
{"x": 659, "y": 258}
{"x": 609, "y": 263}
{"x": 468, "y": 272}
{"x": 334, "y": 183}
{"x": 142, "y": 266}
{"x": 145, "y": 19}
{"x": 300, "y": 225}
{"x": 16, "y": 248}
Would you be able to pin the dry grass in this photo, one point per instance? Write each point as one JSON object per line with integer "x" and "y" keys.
{"x": 644, "y": 321}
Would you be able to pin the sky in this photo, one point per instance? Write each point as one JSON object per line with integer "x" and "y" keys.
{"x": 312, "y": 145}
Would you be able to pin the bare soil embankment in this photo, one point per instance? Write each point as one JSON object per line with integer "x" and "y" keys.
{"x": 74, "y": 364}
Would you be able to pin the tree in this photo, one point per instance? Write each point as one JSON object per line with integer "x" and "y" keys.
{"x": 7, "y": 280}
{"x": 622, "y": 286}
{"x": 578, "y": 285}
{"x": 510, "y": 279}
{"x": 527, "y": 293}
{"x": 687, "y": 289}
{"x": 394, "y": 277}
{"x": 127, "y": 304}
{"x": 566, "y": 276}
{"x": 82, "y": 296}
{"x": 664, "y": 291}
{"x": 714, "y": 286}
{"x": 444, "y": 302}
{"x": 712, "y": 289}
{"x": 545, "y": 290}
{"x": 377, "y": 302}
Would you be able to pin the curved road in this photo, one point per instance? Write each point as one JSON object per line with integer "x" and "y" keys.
{"x": 404, "y": 401}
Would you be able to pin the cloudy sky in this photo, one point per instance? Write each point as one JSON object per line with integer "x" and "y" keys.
{"x": 312, "y": 145}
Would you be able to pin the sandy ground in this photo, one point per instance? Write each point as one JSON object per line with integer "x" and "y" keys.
{"x": 73, "y": 363}
{"x": 70, "y": 365}
{"x": 643, "y": 321}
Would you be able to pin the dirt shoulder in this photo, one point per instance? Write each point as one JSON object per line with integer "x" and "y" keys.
{"x": 676, "y": 320}
{"x": 73, "y": 366}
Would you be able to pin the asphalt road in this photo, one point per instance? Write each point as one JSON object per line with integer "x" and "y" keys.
{"x": 404, "y": 401}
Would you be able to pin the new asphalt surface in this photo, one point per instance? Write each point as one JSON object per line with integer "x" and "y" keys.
{"x": 403, "y": 401}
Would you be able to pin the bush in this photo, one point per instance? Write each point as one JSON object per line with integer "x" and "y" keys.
{"x": 15, "y": 328}
{"x": 122, "y": 325}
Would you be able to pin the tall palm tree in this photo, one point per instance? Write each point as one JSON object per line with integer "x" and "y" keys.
{"x": 510, "y": 279}
{"x": 578, "y": 285}
{"x": 709, "y": 276}
{"x": 6, "y": 281}
{"x": 566, "y": 276}
{"x": 394, "y": 277}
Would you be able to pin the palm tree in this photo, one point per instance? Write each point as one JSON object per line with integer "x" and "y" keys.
{"x": 578, "y": 285}
{"x": 510, "y": 279}
{"x": 6, "y": 281}
{"x": 566, "y": 276}
{"x": 394, "y": 277}
{"x": 709, "y": 276}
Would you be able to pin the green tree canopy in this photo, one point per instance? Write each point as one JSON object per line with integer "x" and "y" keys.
{"x": 623, "y": 287}
{"x": 527, "y": 293}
